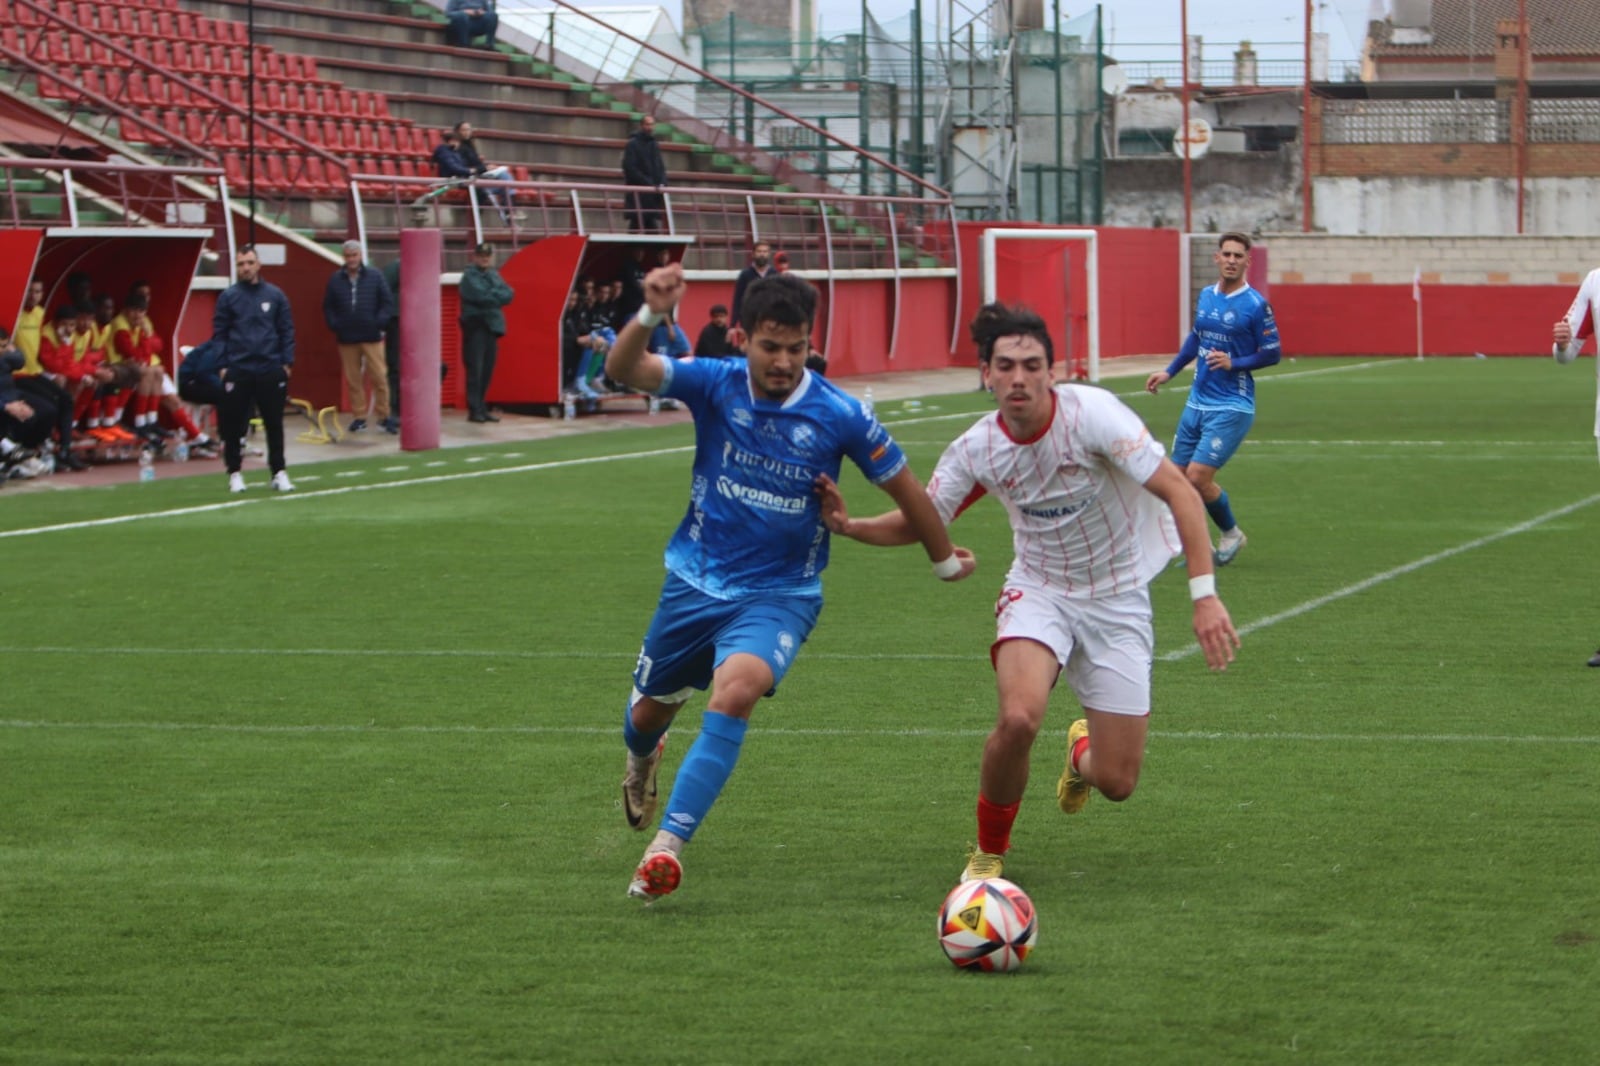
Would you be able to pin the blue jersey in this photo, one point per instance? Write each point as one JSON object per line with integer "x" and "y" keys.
{"x": 754, "y": 523}
{"x": 1241, "y": 324}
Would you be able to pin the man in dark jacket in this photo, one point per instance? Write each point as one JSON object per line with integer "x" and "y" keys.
{"x": 357, "y": 305}
{"x": 642, "y": 165}
{"x": 255, "y": 328}
{"x": 483, "y": 293}
{"x": 760, "y": 267}
{"x": 713, "y": 340}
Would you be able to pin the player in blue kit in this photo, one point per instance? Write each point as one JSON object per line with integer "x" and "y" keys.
{"x": 743, "y": 587}
{"x": 1234, "y": 333}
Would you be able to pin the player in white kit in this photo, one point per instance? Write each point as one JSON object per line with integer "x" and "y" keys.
{"x": 1571, "y": 331}
{"x": 1096, "y": 511}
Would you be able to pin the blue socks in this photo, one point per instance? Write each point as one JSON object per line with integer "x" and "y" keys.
{"x": 1221, "y": 513}
{"x": 705, "y": 770}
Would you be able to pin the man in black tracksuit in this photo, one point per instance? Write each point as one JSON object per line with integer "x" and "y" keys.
{"x": 255, "y": 329}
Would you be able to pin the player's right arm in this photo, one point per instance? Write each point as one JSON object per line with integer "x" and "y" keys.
{"x": 628, "y": 361}
{"x": 1185, "y": 356}
{"x": 1571, "y": 330}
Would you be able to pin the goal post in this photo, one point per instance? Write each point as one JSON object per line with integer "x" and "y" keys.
{"x": 1090, "y": 238}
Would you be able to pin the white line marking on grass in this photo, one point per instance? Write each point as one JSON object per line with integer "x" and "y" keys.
{"x": 429, "y": 479}
{"x": 1286, "y": 376}
{"x": 402, "y": 468}
{"x": 348, "y": 473}
{"x": 1388, "y": 575}
{"x": 307, "y": 729}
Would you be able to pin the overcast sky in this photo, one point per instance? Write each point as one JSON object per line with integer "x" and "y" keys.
{"x": 1157, "y": 22}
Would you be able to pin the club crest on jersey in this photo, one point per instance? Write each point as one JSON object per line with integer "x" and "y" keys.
{"x": 266, "y": 307}
{"x": 802, "y": 437}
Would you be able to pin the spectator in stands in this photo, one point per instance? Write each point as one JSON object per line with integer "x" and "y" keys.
{"x": 817, "y": 363}
{"x": 780, "y": 263}
{"x": 643, "y": 166}
{"x": 391, "y": 336}
{"x": 760, "y": 266}
{"x": 713, "y": 340}
{"x": 483, "y": 322}
{"x": 357, "y": 304}
{"x": 469, "y": 19}
{"x": 504, "y": 198}
{"x": 448, "y": 160}
{"x": 24, "y": 424}
{"x": 255, "y": 327}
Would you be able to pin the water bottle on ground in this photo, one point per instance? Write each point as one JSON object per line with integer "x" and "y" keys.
{"x": 866, "y": 401}
{"x": 147, "y": 464}
{"x": 180, "y": 451}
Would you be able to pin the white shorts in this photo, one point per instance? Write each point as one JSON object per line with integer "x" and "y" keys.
{"x": 167, "y": 387}
{"x": 1105, "y": 646}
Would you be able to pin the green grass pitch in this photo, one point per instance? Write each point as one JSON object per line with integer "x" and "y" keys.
{"x": 332, "y": 778}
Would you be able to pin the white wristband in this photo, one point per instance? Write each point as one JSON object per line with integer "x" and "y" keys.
{"x": 947, "y": 569}
{"x": 648, "y": 318}
{"x": 1202, "y": 586}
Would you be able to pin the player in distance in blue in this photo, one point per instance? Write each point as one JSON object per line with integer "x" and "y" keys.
{"x": 744, "y": 568}
{"x": 1234, "y": 333}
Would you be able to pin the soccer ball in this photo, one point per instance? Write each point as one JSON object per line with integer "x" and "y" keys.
{"x": 987, "y": 925}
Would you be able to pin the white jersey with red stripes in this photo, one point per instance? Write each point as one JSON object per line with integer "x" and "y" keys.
{"x": 1082, "y": 522}
{"x": 1582, "y": 316}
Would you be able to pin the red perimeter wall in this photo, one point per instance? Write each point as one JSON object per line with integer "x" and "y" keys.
{"x": 1382, "y": 319}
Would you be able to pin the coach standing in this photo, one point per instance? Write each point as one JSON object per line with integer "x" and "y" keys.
{"x": 483, "y": 294}
{"x": 255, "y": 329}
{"x": 357, "y": 305}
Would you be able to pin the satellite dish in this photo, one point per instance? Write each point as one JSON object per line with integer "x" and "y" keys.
{"x": 1113, "y": 80}
{"x": 1193, "y": 140}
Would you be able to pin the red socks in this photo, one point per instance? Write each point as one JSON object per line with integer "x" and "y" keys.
{"x": 1078, "y": 749}
{"x": 994, "y": 825}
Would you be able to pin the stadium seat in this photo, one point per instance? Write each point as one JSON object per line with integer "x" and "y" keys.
{"x": 271, "y": 165}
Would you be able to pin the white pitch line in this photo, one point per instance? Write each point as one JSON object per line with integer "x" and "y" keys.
{"x": 1389, "y": 575}
{"x": 430, "y": 479}
{"x": 312, "y": 729}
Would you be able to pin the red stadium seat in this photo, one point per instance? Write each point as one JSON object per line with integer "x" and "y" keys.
{"x": 233, "y": 131}
{"x": 272, "y": 166}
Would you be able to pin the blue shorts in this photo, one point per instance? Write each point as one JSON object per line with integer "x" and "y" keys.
{"x": 1209, "y": 437}
{"x": 692, "y": 634}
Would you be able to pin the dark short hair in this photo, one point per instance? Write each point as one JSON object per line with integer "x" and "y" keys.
{"x": 1234, "y": 236}
{"x": 485, "y": 248}
{"x": 996, "y": 320}
{"x": 66, "y": 311}
{"x": 243, "y": 248}
{"x": 719, "y": 309}
{"x": 782, "y": 299}
{"x": 135, "y": 302}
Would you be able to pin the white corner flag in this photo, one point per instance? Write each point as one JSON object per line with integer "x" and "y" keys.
{"x": 1416, "y": 297}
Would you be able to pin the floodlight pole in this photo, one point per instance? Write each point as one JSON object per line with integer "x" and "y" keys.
{"x": 1183, "y": 124}
{"x": 1305, "y": 134}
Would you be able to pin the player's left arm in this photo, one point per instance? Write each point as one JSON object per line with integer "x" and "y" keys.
{"x": 1213, "y": 628}
{"x": 1265, "y": 349}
